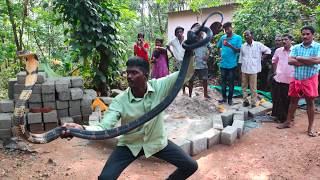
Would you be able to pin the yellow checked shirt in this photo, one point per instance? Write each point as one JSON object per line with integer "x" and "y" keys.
{"x": 151, "y": 136}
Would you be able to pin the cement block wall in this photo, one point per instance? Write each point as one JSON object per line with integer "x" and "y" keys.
{"x": 66, "y": 97}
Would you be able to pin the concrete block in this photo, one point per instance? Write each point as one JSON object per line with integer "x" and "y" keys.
{"x": 50, "y": 104}
{"x": 21, "y": 77}
{"x": 11, "y": 83}
{"x": 86, "y": 101}
{"x": 198, "y": 144}
{"x": 41, "y": 78}
{"x": 5, "y": 120}
{"x": 228, "y": 135}
{"x": 36, "y": 128}
{"x": 227, "y": 118}
{"x": 76, "y": 81}
{"x": 62, "y": 84}
{"x": 5, "y": 133}
{"x": 98, "y": 112}
{"x": 217, "y": 122}
{"x": 66, "y": 120}
{"x": 213, "y": 137}
{"x": 106, "y": 100}
{"x": 259, "y": 110}
{"x": 94, "y": 117}
{"x": 48, "y": 87}
{"x": 76, "y": 93}
{"x": 184, "y": 144}
{"x": 36, "y": 89}
{"x": 34, "y": 118}
{"x": 246, "y": 112}
{"x": 50, "y": 125}
{"x": 6, "y": 106}
{"x": 37, "y": 98}
{"x": 85, "y": 118}
{"x": 74, "y": 111}
{"x": 64, "y": 95}
{"x": 90, "y": 93}
{"x": 35, "y": 105}
{"x": 74, "y": 103}
{"x": 48, "y": 97}
{"x": 239, "y": 125}
{"x": 17, "y": 88}
{"x": 16, "y": 97}
{"x": 63, "y": 113}
{"x": 238, "y": 115}
{"x": 267, "y": 105}
{"x": 50, "y": 117}
{"x": 77, "y": 119}
{"x": 62, "y": 104}
{"x": 85, "y": 110}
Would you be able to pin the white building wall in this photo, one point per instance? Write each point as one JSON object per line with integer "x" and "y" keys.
{"x": 186, "y": 19}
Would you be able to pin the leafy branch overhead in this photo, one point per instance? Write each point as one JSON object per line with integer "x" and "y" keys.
{"x": 92, "y": 25}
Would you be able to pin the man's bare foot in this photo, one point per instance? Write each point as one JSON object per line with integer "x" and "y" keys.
{"x": 285, "y": 125}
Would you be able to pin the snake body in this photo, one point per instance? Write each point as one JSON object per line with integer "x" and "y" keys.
{"x": 190, "y": 44}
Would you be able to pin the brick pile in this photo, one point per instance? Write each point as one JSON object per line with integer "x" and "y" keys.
{"x": 66, "y": 96}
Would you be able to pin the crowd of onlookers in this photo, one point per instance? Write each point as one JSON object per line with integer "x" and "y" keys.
{"x": 294, "y": 69}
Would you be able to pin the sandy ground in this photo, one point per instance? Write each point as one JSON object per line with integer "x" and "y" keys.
{"x": 264, "y": 153}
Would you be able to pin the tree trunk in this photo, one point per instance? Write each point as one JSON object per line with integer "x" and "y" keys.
{"x": 142, "y": 16}
{"x": 150, "y": 21}
{"x": 103, "y": 67}
{"x": 14, "y": 26}
{"x": 159, "y": 19}
{"x": 24, "y": 15}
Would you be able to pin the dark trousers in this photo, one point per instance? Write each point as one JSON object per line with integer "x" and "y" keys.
{"x": 121, "y": 157}
{"x": 227, "y": 79}
{"x": 280, "y": 100}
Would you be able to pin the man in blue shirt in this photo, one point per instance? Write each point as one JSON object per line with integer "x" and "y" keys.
{"x": 305, "y": 58}
{"x": 229, "y": 46}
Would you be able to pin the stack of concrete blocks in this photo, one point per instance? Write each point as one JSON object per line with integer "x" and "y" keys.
{"x": 38, "y": 99}
{"x": 6, "y": 111}
{"x": 66, "y": 97}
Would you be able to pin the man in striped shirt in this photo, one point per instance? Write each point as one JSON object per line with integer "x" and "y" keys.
{"x": 305, "y": 58}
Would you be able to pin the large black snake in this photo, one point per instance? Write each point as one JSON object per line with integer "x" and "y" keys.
{"x": 31, "y": 78}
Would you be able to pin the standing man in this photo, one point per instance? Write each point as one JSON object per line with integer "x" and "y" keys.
{"x": 201, "y": 55}
{"x": 305, "y": 58}
{"x": 265, "y": 76}
{"x": 229, "y": 46}
{"x": 150, "y": 139}
{"x": 251, "y": 54}
{"x": 176, "y": 44}
{"x": 283, "y": 75}
{"x": 141, "y": 47}
{"x": 178, "y": 50}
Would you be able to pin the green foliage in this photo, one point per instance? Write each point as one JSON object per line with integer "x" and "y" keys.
{"x": 93, "y": 28}
{"x": 268, "y": 18}
{"x": 7, "y": 71}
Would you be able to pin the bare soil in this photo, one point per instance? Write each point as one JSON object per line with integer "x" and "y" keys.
{"x": 264, "y": 153}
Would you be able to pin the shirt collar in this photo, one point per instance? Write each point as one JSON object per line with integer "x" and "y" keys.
{"x": 131, "y": 96}
{"x": 251, "y": 43}
{"x": 313, "y": 43}
{"x": 283, "y": 49}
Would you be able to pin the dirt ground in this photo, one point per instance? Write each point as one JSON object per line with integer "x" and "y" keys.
{"x": 263, "y": 153}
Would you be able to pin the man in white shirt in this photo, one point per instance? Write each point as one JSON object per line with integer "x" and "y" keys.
{"x": 176, "y": 44}
{"x": 251, "y": 54}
